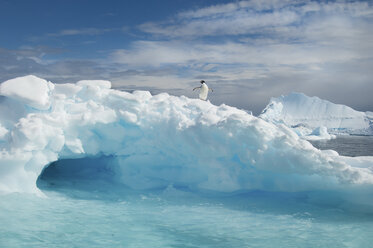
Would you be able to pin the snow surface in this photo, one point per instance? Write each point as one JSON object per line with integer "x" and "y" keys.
{"x": 157, "y": 141}
{"x": 30, "y": 90}
{"x": 305, "y": 114}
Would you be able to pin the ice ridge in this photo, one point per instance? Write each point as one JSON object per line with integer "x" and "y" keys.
{"x": 156, "y": 141}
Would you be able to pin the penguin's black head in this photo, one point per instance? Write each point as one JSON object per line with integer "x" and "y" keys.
{"x": 202, "y": 81}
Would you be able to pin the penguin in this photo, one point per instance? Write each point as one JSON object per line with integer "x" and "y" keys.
{"x": 204, "y": 90}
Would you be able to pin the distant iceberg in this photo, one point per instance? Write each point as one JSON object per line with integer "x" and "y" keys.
{"x": 308, "y": 115}
{"x": 161, "y": 140}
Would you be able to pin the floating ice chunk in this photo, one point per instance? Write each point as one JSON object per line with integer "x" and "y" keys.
{"x": 30, "y": 90}
{"x": 320, "y": 133}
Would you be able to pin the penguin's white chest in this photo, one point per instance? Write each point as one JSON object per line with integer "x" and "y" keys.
{"x": 203, "y": 92}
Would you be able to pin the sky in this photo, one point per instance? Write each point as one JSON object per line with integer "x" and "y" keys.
{"x": 247, "y": 51}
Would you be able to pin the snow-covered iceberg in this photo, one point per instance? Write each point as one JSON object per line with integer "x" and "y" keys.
{"x": 156, "y": 141}
{"x": 308, "y": 115}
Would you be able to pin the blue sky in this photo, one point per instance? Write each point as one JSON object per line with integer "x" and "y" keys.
{"x": 248, "y": 51}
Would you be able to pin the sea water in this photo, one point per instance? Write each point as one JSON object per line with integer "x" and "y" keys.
{"x": 348, "y": 145}
{"x": 95, "y": 212}
{"x": 173, "y": 218}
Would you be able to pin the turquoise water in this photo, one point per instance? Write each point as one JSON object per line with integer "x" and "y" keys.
{"x": 104, "y": 217}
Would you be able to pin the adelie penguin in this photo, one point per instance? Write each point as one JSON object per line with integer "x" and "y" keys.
{"x": 204, "y": 90}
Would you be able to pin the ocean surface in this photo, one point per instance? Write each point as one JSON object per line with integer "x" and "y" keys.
{"x": 348, "y": 145}
{"x": 95, "y": 212}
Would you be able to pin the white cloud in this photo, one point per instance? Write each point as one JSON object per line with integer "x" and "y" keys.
{"x": 157, "y": 54}
{"x": 286, "y": 33}
{"x": 233, "y": 23}
{"x": 252, "y": 17}
{"x": 83, "y": 31}
{"x": 270, "y": 46}
{"x": 248, "y": 51}
{"x": 225, "y": 9}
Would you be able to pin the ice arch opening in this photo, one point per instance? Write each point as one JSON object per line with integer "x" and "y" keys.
{"x": 106, "y": 172}
{"x": 92, "y": 172}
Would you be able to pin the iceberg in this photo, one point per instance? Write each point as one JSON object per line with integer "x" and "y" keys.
{"x": 154, "y": 141}
{"x": 308, "y": 115}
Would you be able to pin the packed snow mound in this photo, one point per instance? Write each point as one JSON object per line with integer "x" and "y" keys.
{"x": 30, "y": 90}
{"x": 156, "y": 141}
{"x": 299, "y": 111}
